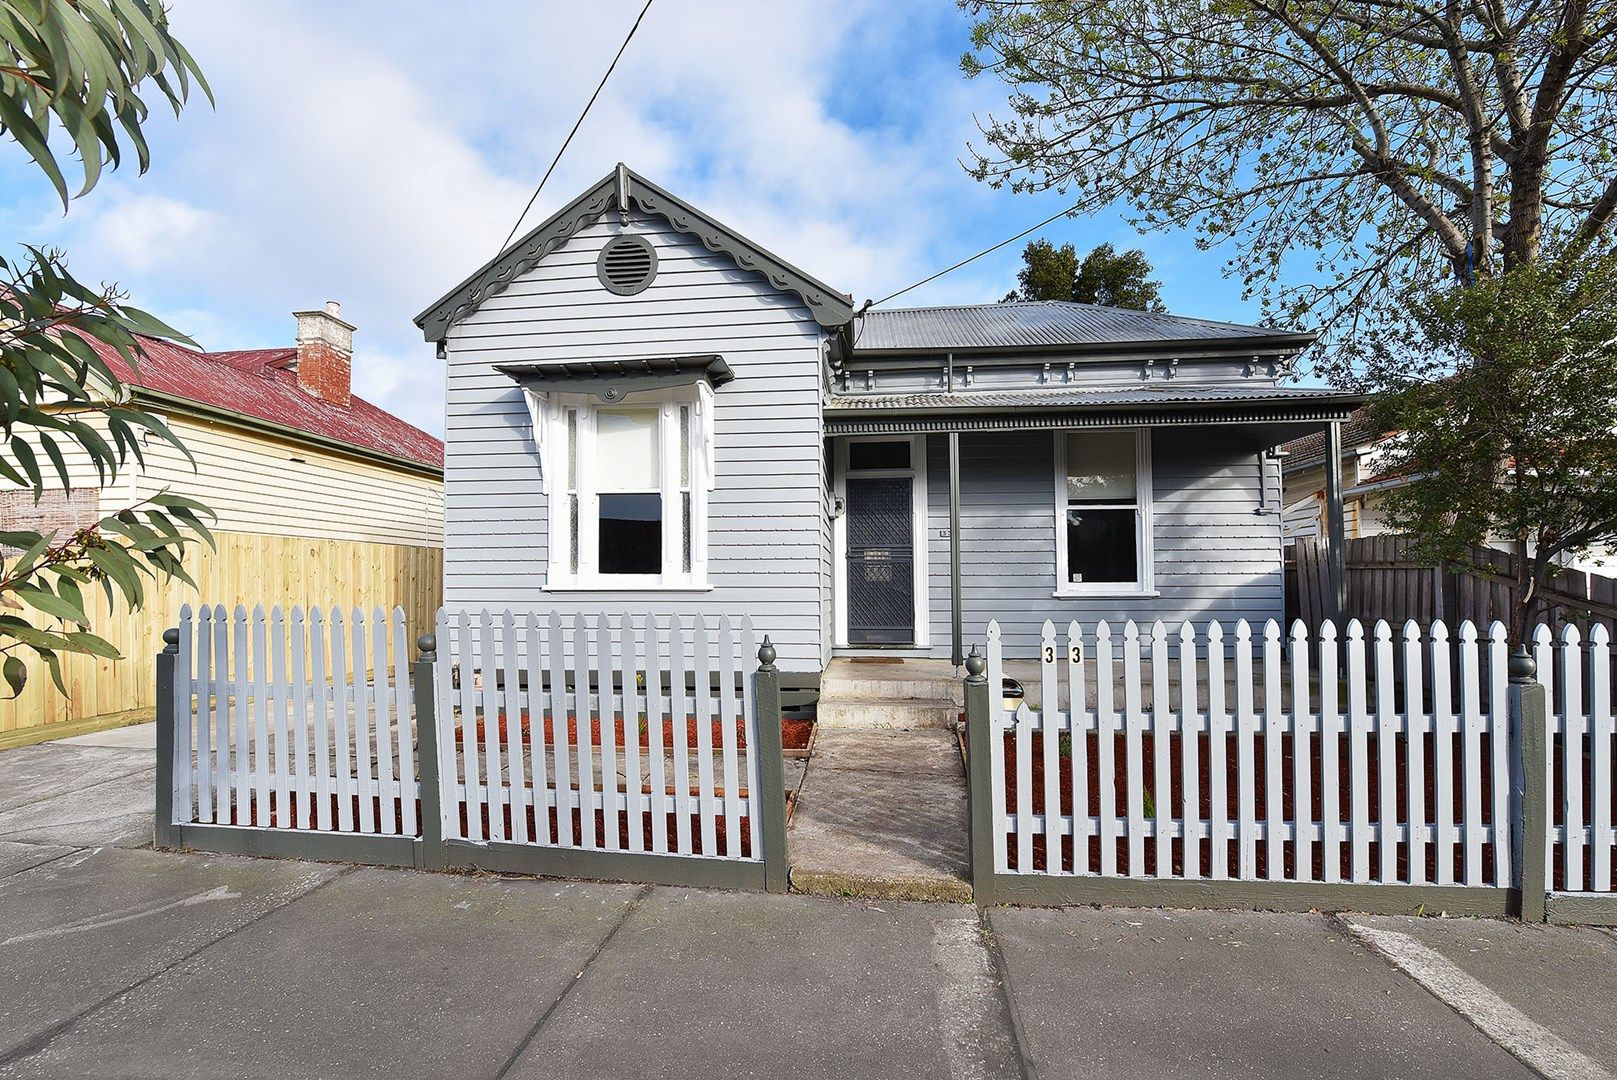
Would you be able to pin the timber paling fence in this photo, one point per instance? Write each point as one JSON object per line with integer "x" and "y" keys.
{"x": 1368, "y": 771}
{"x": 630, "y": 749}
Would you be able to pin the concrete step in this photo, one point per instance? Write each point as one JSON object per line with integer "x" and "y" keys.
{"x": 917, "y": 713}
{"x": 858, "y": 688}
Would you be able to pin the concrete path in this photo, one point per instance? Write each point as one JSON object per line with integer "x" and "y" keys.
{"x": 116, "y": 961}
{"x": 882, "y": 813}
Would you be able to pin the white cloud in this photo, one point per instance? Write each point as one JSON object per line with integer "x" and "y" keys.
{"x": 377, "y": 153}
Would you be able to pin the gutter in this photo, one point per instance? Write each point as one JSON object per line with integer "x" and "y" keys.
{"x": 186, "y": 406}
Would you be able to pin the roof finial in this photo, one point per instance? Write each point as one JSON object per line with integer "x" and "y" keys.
{"x": 623, "y": 194}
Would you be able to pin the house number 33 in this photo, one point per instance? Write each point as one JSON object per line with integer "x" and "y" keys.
{"x": 1075, "y": 653}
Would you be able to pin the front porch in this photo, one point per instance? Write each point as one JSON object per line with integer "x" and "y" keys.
{"x": 951, "y": 511}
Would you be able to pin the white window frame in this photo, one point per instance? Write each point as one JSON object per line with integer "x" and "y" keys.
{"x": 550, "y": 428}
{"x": 1144, "y": 585}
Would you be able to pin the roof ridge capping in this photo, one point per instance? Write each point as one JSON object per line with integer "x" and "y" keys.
{"x": 1109, "y": 309}
{"x": 831, "y": 307}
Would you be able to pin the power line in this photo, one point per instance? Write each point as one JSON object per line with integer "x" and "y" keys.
{"x": 576, "y": 125}
{"x": 974, "y": 258}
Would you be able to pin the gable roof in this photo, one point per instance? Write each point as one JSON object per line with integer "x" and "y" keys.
{"x": 261, "y": 385}
{"x": 831, "y": 308}
{"x": 1357, "y": 433}
{"x": 1048, "y": 324}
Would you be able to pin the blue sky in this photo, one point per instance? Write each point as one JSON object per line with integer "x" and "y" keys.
{"x": 377, "y": 151}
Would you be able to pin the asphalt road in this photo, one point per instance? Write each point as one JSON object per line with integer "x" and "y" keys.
{"x": 116, "y": 960}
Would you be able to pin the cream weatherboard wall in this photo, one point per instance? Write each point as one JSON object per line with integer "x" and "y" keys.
{"x": 768, "y": 544}
{"x": 298, "y": 524}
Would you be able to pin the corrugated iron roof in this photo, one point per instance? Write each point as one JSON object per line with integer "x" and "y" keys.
{"x": 1112, "y": 397}
{"x": 258, "y": 383}
{"x": 1038, "y": 324}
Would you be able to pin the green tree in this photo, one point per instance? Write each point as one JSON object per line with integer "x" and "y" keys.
{"x": 1384, "y": 170}
{"x": 1522, "y": 448}
{"x": 1103, "y": 277}
{"x": 75, "y": 68}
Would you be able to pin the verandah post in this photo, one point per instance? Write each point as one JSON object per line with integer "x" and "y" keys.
{"x": 1529, "y": 799}
{"x": 426, "y": 733}
{"x": 771, "y": 831}
{"x": 980, "y": 730}
{"x": 165, "y": 835}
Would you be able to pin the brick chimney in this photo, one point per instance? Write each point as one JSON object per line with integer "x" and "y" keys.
{"x": 324, "y": 363}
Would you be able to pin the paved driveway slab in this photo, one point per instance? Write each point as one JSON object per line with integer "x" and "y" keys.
{"x": 1123, "y": 993}
{"x": 116, "y": 812}
{"x": 87, "y": 925}
{"x": 31, "y": 773}
{"x": 15, "y": 858}
{"x": 379, "y": 973}
{"x": 736, "y": 985}
{"x": 1563, "y": 979}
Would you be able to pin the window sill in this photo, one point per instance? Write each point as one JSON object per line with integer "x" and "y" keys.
{"x": 608, "y": 585}
{"x": 1121, "y": 592}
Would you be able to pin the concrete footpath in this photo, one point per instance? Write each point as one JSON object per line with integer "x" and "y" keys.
{"x": 116, "y": 960}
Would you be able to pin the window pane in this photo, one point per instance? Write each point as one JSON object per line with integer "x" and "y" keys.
{"x": 1101, "y": 546}
{"x": 631, "y": 534}
{"x": 626, "y": 450}
{"x": 879, "y": 455}
{"x": 572, "y": 532}
{"x": 685, "y": 527}
{"x": 572, "y": 452}
{"x": 1100, "y": 466}
{"x": 684, "y": 446}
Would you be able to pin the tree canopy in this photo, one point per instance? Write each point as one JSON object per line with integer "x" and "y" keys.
{"x": 1102, "y": 277}
{"x": 78, "y": 66}
{"x": 1355, "y": 151}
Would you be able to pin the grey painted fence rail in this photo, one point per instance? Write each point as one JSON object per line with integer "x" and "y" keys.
{"x": 1428, "y": 774}
{"x": 623, "y": 749}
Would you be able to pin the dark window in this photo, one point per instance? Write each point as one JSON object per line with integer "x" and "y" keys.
{"x": 879, "y": 455}
{"x": 631, "y": 534}
{"x": 1101, "y": 545}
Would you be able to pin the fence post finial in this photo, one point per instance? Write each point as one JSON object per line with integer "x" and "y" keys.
{"x": 976, "y": 666}
{"x": 171, "y": 640}
{"x": 1522, "y": 665}
{"x": 428, "y": 645}
{"x": 766, "y": 655}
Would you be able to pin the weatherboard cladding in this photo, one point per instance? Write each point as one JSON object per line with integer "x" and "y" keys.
{"x": 830, "y": 308}
{"x": 1215, "y": 556}
{"x": 1038, "y": 324}
{"x": 767, "y": 534}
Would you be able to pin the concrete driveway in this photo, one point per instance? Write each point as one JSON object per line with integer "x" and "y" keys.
{"x": 116, "y": 960}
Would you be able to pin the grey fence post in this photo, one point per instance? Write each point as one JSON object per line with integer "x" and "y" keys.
{"x": 979, "y": 763}
{"x": 426, "y": 734}
{"x": 165, "y": 835}
{"x": 771, "y": 831}
{"x": 1529, "y": 797}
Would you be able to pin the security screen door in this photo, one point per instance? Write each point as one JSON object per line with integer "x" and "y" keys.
{"x": 881, "y": 560}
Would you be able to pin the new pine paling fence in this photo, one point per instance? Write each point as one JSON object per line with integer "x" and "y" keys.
{"x": 1374, "y": 771}
{"x": 635, "y": 749}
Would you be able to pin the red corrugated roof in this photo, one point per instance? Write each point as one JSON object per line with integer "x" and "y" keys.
{"x": 259, "y": 384}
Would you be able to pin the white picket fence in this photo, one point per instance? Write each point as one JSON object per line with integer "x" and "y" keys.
{"x": 1580, "y": 762}
{"x": 530, "y": 754}
{"x": 294, "y": 722}
{"x": 1276, "y": 759}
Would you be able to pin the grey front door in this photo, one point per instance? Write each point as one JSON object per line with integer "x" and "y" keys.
{"x": 881, "y": 561}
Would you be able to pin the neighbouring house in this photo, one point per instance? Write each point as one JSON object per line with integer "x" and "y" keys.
{"x": 1365, "y": 482}
{"x": 649, "y": 413}
{"x": 322, "y": 498}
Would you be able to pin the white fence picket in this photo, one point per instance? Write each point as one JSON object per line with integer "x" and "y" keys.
{"x": 404, "y": 710}
{"x": 511, "y": 729}
{"x": 629, "y": 677}
{"x": 1441, "y": 802}
{"x": 561, "y": 724}
{"x": 659, "y": 721}
{"x": 727, "y": 737}
{"x": 361, "y": 702}
{"x": 184, "y": 683}
{"x": 285, "y": 768}
{"x": 261, "y": 742}
{"x": 382, "y": 716}
{"x": 607, "y": 714}
{"x": 707, "y": 803}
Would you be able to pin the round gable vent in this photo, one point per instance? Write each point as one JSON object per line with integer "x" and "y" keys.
{"x": 627, "y": 265}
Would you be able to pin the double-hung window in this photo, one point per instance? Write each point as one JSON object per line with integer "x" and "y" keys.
{"x": 1103, "y": 512}
{"x": 627, "y": 487}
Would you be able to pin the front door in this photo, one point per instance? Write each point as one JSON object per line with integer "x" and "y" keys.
{"x": 880, "y": 559}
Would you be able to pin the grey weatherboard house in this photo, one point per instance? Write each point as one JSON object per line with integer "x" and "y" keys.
{"x": 648, "y": 413}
